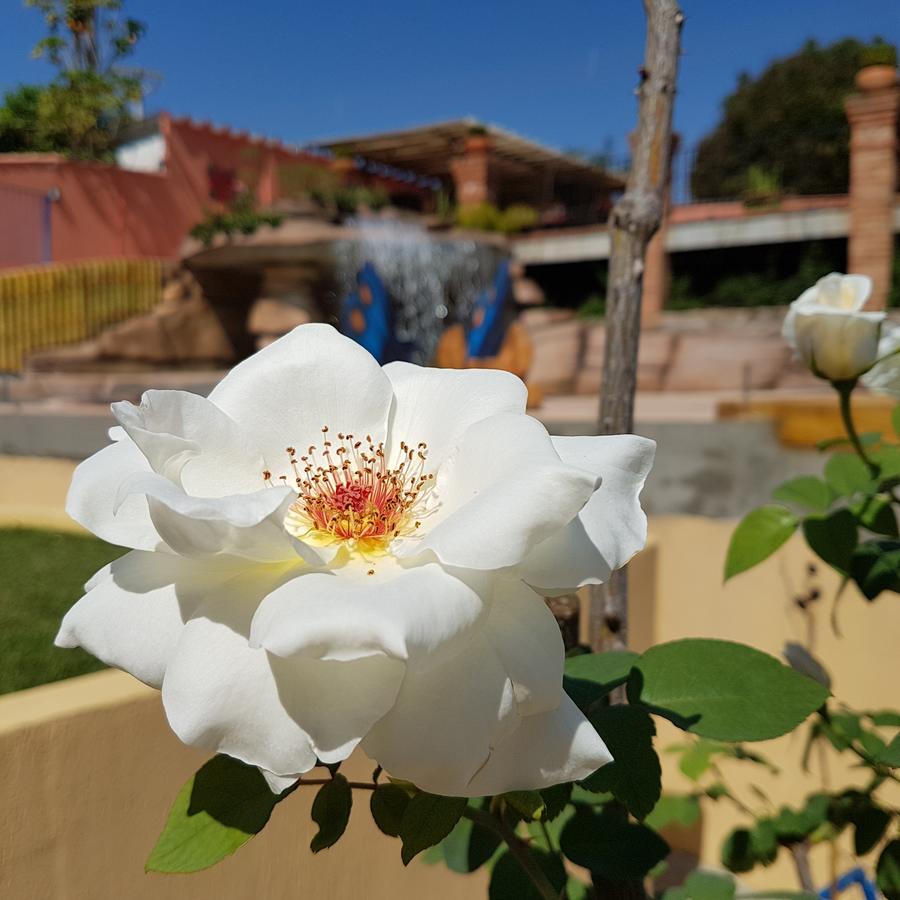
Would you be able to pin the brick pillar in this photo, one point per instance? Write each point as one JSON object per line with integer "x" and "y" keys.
{"x": 657, "y": 268}
{"x": 471, "y": 172}
{"x": 267, "y": 187}
{"x": 873, "y": 178}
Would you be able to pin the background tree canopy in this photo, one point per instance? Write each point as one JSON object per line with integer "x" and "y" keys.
{"x": 85, "y": 106}
{"x": 788, "y": 122}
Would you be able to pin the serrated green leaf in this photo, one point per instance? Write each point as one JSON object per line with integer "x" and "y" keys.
{"x": 529, "y": 804}
{"x": 555, "y": 800}
{"x": 427, "y": 820}
{"x": 218, "y": 810}
{"x": 591, "y": 676}
{"x": 673, "y": 809}
{"x": 388, "y": 803}
{"x": 510, "y": 882}
{"x": 723, "y": 690}
{"x": 847, "y": 475}
{"x": 758, "y": 535}
{"x": 875, "y": 567}
{"x": 331, "y": 812}
{"x": 805, "y": 491}
{"x": 887, "y": 872}
{"x": 833, "y": 538}
{"x": 610, "y": 846}
{"x": 634, "y": 775}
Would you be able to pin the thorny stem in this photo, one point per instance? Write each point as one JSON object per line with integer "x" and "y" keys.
{"x": 845, "y": 389}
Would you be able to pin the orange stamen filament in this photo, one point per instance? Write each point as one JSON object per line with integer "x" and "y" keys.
{"x": 348, "y": 493}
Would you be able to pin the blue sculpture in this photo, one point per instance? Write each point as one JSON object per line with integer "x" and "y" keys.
{"x": 489, "y": 321}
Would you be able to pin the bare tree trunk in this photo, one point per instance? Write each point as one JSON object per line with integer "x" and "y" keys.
{"x": 633, "y": 221}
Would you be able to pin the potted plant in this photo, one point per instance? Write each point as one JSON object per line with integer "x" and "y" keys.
{"x": 477, "y": 139}
{"x": 879, "y": 66}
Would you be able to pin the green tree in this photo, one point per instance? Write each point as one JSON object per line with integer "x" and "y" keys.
{"x": 81, "y": 111}
{"x": 789, "y": 121}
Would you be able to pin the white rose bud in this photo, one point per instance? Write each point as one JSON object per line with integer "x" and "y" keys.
{"x": 829, "y": 330}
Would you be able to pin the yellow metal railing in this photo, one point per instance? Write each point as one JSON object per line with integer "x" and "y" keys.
{"x": 45, "y": 306}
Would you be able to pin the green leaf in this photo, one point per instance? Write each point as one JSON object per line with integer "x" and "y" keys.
{"x": 723, "y": 690}
{"x": 610, "y": 846}
{"x": 697, "y": 758}
{"x": 805, "y": 491}
{"x": 591, "y": 676}
{"x": 217, "y": 811}
{"x": 758, "y": 535}
{"x": 875, "y": 567}
{"x": 331, "y": 812}
{"x": 737, "y": 851}
{"x": 555, "y": 800}
{"x": 876, "y": 514}
{"x": 764, "y": 842}
{"x": 890, "y": 756}
{"x": 672, "y": 809}
{"x": 706, "y": 886}
{"x": 887, "y": 718}
{"x": 888, "y": 461}
{"x": 468, "y": 846}
{"x": 427, "y": 820}
{"x": 529, "y": 804}
{"x": 833, "y": 538}
{"x": 388, "y": 803}
{"x": 870, "y": 826}
{"x": 634, "y": 776}
{"x": 887, "y": 872}
{"x": 509, "y": 881}
{"x": 847, "y": 475}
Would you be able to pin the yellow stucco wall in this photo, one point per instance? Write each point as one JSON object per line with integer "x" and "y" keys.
{"x": 90, "y": 767}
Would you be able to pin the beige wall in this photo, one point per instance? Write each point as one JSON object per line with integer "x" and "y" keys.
{"x": 90, "y": 767}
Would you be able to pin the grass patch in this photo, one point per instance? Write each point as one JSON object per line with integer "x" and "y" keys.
{"x": 43, "y": 575}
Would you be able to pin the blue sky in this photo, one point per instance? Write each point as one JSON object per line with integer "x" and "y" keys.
{"x": 562, "y": 72}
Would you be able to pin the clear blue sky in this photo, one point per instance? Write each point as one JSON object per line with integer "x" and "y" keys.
{"x": 562, "y": 72}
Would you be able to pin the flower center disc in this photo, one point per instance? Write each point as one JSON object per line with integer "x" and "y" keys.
{"x": 348, "y": 493}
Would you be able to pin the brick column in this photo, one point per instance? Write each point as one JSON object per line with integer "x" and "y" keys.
{"x": 657, "y": 268}
{"x": 472, "y": 172}
{"x": 873, "y": 178}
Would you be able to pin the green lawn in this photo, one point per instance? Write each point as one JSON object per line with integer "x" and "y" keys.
{"x": 42, "y": 574}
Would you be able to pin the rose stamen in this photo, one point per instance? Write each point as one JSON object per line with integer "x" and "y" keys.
{"x": 349, "y": 493}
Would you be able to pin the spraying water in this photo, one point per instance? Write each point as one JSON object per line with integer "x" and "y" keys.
{"x": 431, "y": 279}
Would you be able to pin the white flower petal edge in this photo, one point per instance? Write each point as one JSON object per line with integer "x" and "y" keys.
{"x": 418, "y": 615}
{"x": 310, "y": 378}
{"x": 610, "y": 529}
{"x": 501, "y": 494}
{"x": 884, "y": 376}
{"x": 506, "y": 686}
{"x": 437, "y": 406}
{"x": 281, "y": 714}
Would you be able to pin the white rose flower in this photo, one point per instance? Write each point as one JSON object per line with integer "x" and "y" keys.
{"x": 829, "y": 331}
{"x": 884, "y": 376}
{"x": 327, "y": 553}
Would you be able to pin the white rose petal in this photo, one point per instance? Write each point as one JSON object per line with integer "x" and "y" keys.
{"x": 327, "y": 553}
